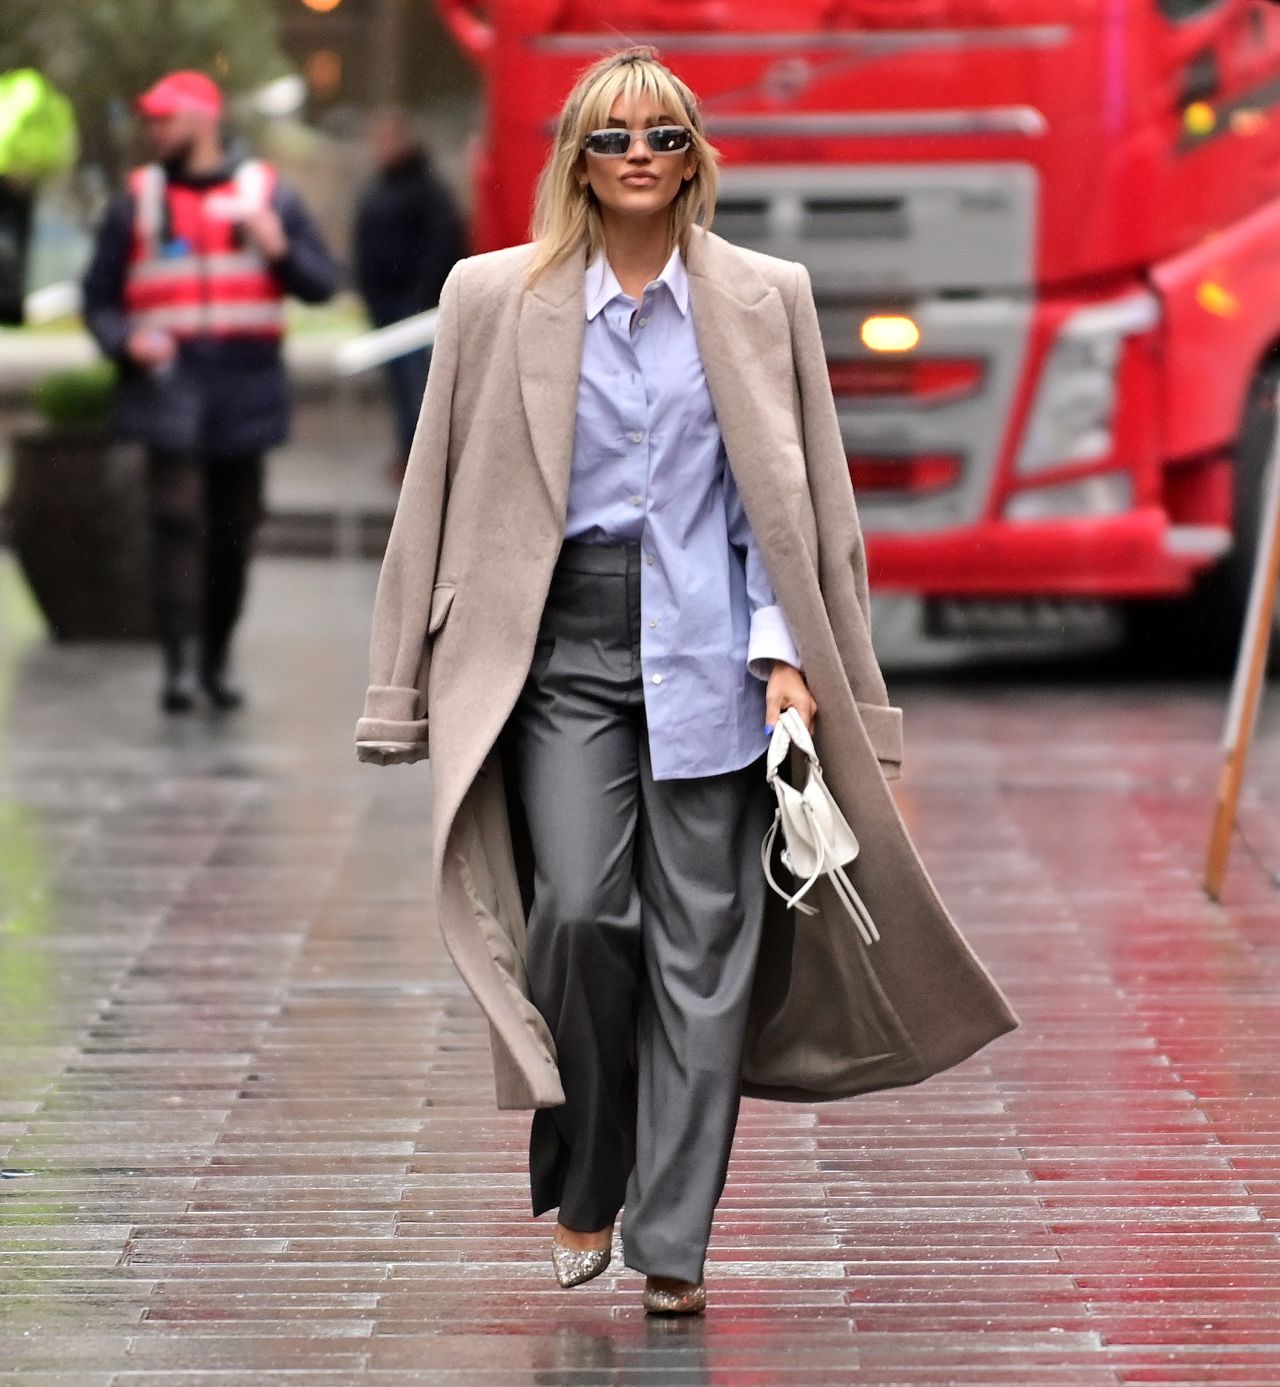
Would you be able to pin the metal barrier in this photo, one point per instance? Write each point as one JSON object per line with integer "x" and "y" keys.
{"x": 361, "y": 353}
{"x": 50, "y": 303}
{"x": 385, "y": 344}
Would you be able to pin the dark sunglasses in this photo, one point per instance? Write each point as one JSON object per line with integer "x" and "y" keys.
{"x": 661, "y": 139}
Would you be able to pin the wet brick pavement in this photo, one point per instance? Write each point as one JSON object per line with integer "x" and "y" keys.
{"x": 245, "y": 1106}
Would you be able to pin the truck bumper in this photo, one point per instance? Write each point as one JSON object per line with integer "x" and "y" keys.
{"x": 1138, "y": 553}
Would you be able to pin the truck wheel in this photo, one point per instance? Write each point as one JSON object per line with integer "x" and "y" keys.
{"x": 1200, "y": 634}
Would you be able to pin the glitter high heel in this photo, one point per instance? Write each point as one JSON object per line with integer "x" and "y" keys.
{"x": 576, "y": 1265}
{"x": 690, "y": 1301}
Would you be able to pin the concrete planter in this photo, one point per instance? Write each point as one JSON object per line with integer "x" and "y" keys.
{"x": 77, "y": 519}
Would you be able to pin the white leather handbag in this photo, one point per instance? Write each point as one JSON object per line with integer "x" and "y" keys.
{"x": 816, "y": 836}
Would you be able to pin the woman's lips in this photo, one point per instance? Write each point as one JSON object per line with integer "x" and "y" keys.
{"x": 639, "y": 180}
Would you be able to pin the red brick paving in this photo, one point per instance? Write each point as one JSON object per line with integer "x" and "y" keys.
{"x": 250, "y": 1110}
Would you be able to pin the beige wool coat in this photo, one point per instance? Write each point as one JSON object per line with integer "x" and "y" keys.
{"x": 467, "y": 569}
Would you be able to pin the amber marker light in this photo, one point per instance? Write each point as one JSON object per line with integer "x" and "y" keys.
{"x": 1216, "y": 299}
{"x": 889, "y": 332}
{"x": 322, "y": 6}
{"x": 1199, "y": 118}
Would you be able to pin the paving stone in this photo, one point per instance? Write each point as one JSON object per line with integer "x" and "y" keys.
{"x": 246, "y": 1120}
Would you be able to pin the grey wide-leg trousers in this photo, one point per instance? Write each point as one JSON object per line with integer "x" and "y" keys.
{"x": 643, "y": 932}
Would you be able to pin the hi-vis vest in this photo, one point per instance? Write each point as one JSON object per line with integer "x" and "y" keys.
{"x": 190, "y": 270}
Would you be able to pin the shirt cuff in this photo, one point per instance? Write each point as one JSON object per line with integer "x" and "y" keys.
{"x": 770, "y": 640}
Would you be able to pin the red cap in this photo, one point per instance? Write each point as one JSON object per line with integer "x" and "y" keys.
{"x": 181, "y": 91}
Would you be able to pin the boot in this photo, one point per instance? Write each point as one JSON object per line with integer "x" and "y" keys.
{"x": 215, "y": 677}
{"x": 181, "y": 674}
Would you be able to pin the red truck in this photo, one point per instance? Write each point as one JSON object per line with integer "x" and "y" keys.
{"x": 1044, "y": 237}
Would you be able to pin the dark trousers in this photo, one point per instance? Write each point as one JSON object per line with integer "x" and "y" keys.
{"x": 643, "y": 931}
{"x": 405, "y": 376}
{"x": 204, "y": 509}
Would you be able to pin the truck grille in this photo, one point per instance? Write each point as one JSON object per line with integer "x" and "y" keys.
{"x": 952, "y": 246}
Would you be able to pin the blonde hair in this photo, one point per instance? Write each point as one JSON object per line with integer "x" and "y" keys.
{"x": 566, "y": 216}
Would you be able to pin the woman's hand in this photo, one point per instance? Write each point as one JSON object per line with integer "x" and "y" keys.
{"x": 787, "y": 689}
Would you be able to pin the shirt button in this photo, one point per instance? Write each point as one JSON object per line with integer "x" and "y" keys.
{"x": 640, "y": 322}
{"x": 653, "y": 621}
{"x": 637, "y": 500}
{"x": 637, "y": 437}
{"x": 657, "y": 679}
{"x": 648, "y": 558}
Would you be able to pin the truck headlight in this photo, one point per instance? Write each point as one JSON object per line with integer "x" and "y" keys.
{"x": 1071, "y": 419}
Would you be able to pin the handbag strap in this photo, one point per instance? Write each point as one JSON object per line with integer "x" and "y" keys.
{"x": 794, "y": 902}
{"x": 788, "y": 731}
{"x": 844, "y": 889}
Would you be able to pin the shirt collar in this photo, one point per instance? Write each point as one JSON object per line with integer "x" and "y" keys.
{"x": 602, "y": 285}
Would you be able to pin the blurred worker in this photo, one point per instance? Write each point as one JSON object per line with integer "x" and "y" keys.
{"x": 37, "y": 140}
{"x": 408, "y": 236}
{"x": 186, "y": 291}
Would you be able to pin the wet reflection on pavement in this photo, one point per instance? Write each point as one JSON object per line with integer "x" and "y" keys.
{"x": 246, "y": 1116}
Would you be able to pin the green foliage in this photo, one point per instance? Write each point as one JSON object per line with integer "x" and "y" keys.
{"x": 78, "y": 398}
{"x": 103, "y": 53}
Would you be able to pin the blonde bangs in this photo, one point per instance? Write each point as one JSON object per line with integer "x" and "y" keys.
{"x": 632, "y": 81}
{"x": 566, "y": 217}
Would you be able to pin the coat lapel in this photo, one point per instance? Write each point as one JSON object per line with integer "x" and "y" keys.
{"x": 743, "y": 336}
{"x": 549, "y": 335}
{"x": 741, "y": 324}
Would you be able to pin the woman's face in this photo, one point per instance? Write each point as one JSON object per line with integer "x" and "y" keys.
{"x": 640, "y": 183}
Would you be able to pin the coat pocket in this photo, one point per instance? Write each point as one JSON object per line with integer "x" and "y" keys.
{"x": 883, "y": 723}
{"x": 441, "y": 600}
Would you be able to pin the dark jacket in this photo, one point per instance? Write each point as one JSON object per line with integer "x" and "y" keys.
{"x": 408, "y": 236}
{"x": 223, "y": 394}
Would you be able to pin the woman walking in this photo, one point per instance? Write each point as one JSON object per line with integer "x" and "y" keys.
{"x": 625, "y": 544}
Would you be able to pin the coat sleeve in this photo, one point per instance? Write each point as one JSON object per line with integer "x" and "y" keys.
{"x": 102, "y": 287}
{"x": 306, "y": 270}
{"x": 393, "y": 728}
{"x": 842, "y": 553}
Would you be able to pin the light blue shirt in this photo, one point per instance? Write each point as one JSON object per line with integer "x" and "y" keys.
{"x": 649, "y": 465}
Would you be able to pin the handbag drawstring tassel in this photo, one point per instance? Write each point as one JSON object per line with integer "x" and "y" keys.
{"x": 812, "y": 841}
